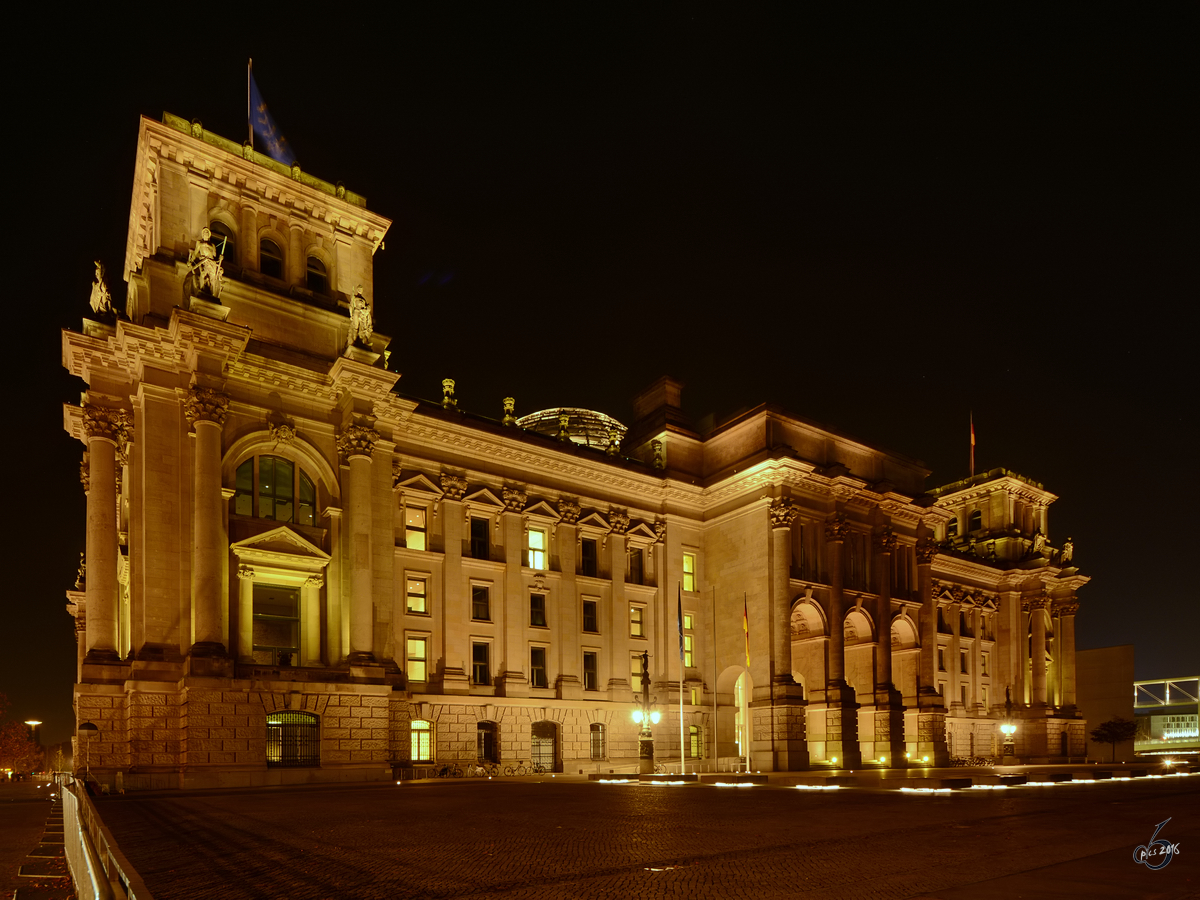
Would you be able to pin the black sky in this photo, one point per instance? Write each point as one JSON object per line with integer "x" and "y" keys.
{"x": 881, "y": 222}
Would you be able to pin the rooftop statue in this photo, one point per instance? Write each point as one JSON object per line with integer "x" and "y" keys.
{"x": 205, "y": 265}
{"x": 101, "y": 298}
{"x": 361, "y": 327}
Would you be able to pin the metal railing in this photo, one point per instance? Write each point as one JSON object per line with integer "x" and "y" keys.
{"x": 98, "y": 868}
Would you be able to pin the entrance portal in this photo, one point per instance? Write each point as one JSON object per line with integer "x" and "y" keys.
{"x": 544, "y": 745}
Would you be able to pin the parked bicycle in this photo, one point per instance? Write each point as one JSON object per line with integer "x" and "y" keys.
{"x": 516, "y": 769}
{"x": 449, "y": 771}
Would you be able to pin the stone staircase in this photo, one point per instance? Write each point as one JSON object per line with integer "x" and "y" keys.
{"x": 44, "y": 874}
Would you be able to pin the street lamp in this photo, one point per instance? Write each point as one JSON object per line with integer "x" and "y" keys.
{"x": 645, "y": 716}
{"x": 87, "y": 729}
{"x": 1008, "y": 728}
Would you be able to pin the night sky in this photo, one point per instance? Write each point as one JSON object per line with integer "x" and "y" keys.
{"x": 882, "y": 223}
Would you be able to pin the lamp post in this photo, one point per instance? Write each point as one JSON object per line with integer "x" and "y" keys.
{"x": 645, "y": 716}
{"x": 1008, "y": 729}
{"x": 86, "y": 730}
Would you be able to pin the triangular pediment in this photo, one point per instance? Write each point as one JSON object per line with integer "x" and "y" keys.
{"x": 419, "y": 484}
{"x": 642, "y": 531}
{"x": 484, "y": 497}
{"x": 542, "y": 510}
{"x": 594, "y": 520}
{"x": 281, "y": 541}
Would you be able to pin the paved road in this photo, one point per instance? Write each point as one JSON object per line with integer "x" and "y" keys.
{"x": 527, "y": 838}
{"x": 24, "y": 806}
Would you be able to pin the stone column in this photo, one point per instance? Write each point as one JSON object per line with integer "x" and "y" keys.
{"x": 510, "y": 602}
{"x": 310, "y": 620}
{"x": 455, "y": 612}
{"x": 205, "y": 410}
{"x": 954, "y": 667}
{"x": 931, "y": 709}
{"x": 885, "y": 544}
{"x": 782, "y": 514}
{"x": 1037, "y": 620}
{"x": 103, "y": 428}
{"x": 567, "y": 631}
{"x": 618, "y": 673}
{"x": 1066, "y": 653}
{"x": 245, "y": 640}
{"x": 357, "y": 442}
{"x": 297, "y": 264}
{"x": 835, "y": 537}
{"x": 786, "y": 728}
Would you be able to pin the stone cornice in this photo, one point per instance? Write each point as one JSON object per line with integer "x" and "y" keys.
{"x": 1014, "y": 487}
{"x": 362, "y": 380}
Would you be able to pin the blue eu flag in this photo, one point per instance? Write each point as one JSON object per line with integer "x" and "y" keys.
{"x": 274, "y": 144}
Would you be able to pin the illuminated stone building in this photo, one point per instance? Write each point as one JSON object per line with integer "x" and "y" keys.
{"x": 294, "y": 572}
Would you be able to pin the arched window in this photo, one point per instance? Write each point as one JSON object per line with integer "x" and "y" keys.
{"x": 976, "y": 520}
{"x": 293, "y": 739}
{"x": 597, "y": 741}
{"x": 270, "y": 258}
{"x": 224, "y": 240}
{"x": 271, "y": 487}
{"x": 318, "y": 278}
{"x": 422, "y": 733}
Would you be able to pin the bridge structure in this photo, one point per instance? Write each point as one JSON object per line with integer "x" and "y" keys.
{"x": 1168, "y": 716}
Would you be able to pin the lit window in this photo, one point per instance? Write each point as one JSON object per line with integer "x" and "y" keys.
{"x": 687, "y": 650}
{"x": 537, "y": 548}
{"x": 416, "y": 658}
{"x": 276, "y": 624}
{"x": 537, "y": 667}
{"x": 687, "y": 622}
{"x": 537, "y": 610}
{"x": 417, "y": 592}
{"x": 317, "y": 279}
{"x": 285, "y": 492}
{"x": 591, "y": 621}
{"x": 480, "y": 539}
{"x": 480, "y": 605}
{"x": 224, "y": 242}
{"x": 597, "y": 740}
{"x": 421, "y": 743}
{"x": 635, "y": 673}
{"x": 636, "y": 625}
{"x": 293, "y": 739}
{"x": 694, "y": 741}
{"x": 270, "y": 259}
{"x": 481, "y": 670}
{"x": 689, "y": 571}
{"x": 414, "y": 528}
{"x": 692, "y": 692}
{"x": 591, "y": 670}
{"x": 588, "y": 557}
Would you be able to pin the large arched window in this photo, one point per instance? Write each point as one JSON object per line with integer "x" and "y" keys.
{"x": 270, "y": 258}
{"x": 293, "y": 739}
{"x": 317, "y": 277}
{"x": 224, "y": 240}
{"x": 271, "y": 487}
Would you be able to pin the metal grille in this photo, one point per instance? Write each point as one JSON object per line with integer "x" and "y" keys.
{"x": 293, "y": 739}
{"x": 543, "y": 745}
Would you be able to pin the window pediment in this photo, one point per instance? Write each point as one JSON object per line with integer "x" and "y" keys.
{"x": 281, "y": 548}
{"x": 542, "y": 511}
{"x": 483, "y": 500}
{"x": 419, "y": 486}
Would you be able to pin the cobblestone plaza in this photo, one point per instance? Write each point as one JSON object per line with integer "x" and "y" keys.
{"x": 555, "y": 838}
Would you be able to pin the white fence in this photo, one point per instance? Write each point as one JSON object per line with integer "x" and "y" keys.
{"x": 99, "y": 870}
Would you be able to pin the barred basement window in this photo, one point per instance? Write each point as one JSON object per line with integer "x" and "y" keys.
{"x": 597, "y": 740}
{"x": 421, "y": 744}
{"x": 293, "y": 739}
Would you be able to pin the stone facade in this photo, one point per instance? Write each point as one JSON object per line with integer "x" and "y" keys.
{"x": 295, "y": 573}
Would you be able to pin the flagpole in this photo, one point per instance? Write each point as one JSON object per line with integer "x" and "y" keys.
{"x": 972, "y": 420}
{"x": 249, "y": 121}
{"x": 745, "y": 703}
{"x": 679, "y": 615}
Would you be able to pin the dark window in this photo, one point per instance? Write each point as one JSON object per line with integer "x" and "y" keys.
{"x": 591, "y": 671}
{"x": 976, "y": 521}
{"x": 293, "y": 739}
{"x": 941, "y": 660}
{"x": 318, "y": 279}
{"x": 270, "y": 259}
{"x": 537, "y": 667}
{"x": 597, "y": 740}
{"x": 588, "y": 557}
{"x": 481, "y": 672}
{"x": 591, "y": 621}
{"x": 637, "y": 570}
{"x": 486, "y": 743}
{"x": 963, "y": 661}
{"x": 480, "y": 540}
{"x": 224, "y": 242}
{"x": 537, "y": 610}
{"x": 952, "y": 528}
{"x": 285, "y": 493}
{"x": 479, "y": 603}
